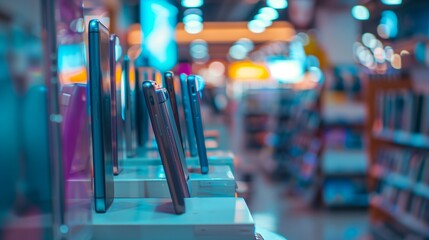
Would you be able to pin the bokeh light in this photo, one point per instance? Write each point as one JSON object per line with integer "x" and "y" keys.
{"x": 193, "y": 27}
{"x": 256, "y": 26}
{"x": 238, "y": 52}
{"x": 192, "y": 3}
{"x": 278, "y": 4}
{"x": 360, "y": 12}
{"x": 270, "y": 12}
{"x": 391, "y": 2}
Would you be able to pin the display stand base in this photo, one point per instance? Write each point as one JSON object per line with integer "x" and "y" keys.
{"x": 204, "y": 219}
{"x": 211, "y": 144}
{"x": 149, "y": 182}
{"x": 151, "y": 157}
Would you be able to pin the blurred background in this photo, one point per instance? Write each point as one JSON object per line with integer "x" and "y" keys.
{"x": 325, "y": 104}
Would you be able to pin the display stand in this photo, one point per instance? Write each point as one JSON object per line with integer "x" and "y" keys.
{"x": 151, "y": 157}
{"x": 211, "y": 144}
{"x": 149, "y": 182}
{"x": 204, "y": 219}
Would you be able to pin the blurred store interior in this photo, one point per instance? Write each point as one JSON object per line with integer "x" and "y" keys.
{"x": 321, "y": 104}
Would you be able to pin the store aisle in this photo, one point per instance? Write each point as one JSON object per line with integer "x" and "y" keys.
{"x": 290, "y": 216}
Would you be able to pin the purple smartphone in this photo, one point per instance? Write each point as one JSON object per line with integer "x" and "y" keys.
{"x": 75, "y": 135}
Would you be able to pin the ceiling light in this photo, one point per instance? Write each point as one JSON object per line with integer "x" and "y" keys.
{"x": 193, "y": 27}
{"x": 192, "y": 3}
{"x": 366, "y": 38}
{"x": 199, "y": 49}
{"x": 388, "y": 26}
{"x": 278, "y": 4}
{"x": 193, "y": 11}
{"x": 392, "y": 2}
{"x": 238, "y": 52}
{"x": 199, "y": 55}
{"x": 396, "y": 61}
{"x": 256, "y": 26}
{"x": 263, "y": 16}
{"x": 267, "y": 22}
{"x": 303, "y": 38}
{"x": 360, "y": 12}
{"x": 389, "y": 52}
{"x": 271, "y": 12}
{"x": 199, "y": 42}
{"x": 246, "y": 43}
{"x": 192, "y": 17}
{"x": 286, "y": 70}
{"x": 216, "y": 69}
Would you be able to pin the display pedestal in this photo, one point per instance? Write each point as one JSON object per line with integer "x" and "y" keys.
{"x": 149, "y": 182}
{"x": 204, "y": 219}
{"x": 151, "y": 157}
{"x": 211, "y": 144}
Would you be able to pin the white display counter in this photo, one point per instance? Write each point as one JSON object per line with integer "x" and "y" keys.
{"x": 204, "y": 219}
{"x": 149, "y": 182}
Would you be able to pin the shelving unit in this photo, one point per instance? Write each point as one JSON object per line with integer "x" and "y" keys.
{"x": 343, "y": 159}
{"x": 400, "y": 181}
{"x": 405, "y": 220}
{"x": 402, "y": 138}
{"x": 400, "y": 193}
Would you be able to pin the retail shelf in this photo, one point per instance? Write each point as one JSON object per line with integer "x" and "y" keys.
{"x": 400, "y": 181}
{"x": 354, "y": 204}
{"x": 348, "y": 111}
{"x": 402, "y": 138}
{"x": 422, "y": 190}
{"x": 351, "y": 124}
{"x": 344, "y": 161}
{"x": 380, "y": 231}
{"x": 402, "y": 218}
{"x": 345, "y": 174}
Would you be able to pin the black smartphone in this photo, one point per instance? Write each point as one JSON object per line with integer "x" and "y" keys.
{"x": 169, "y": 85}
{"x": 129, "y": 109}
{"x": 142, "y": 73}
{"x": 194, "y": 100}
{"x": 100, "y": 114}
{"x": 166, "y": 135}
{"x": 187, "y": 112}
{"x": 114, "y": 41}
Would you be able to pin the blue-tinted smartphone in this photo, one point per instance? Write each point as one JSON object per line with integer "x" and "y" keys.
{"x": 166, "y": 134}
{"x": 169, "y": 85}
{"x": 117, "y": 166}
{"x": 100, "y": 114}
{"x": 142, "y": 71}
{"x": 129, "y": 109}
{"x": 187, "y": 112}
{"x": 194, "y": 100}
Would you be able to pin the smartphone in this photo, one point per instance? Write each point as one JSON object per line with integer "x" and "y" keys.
{"x": 166, "y": 135}
{"x": 194, "y": 100}
{"x": 129, "y": 109}
{"x": 100, "y": 114}
{"x": 169, "y": 85}
{"x": 76, "y": 151}
{"x": 114, "y": 41}
{"x": 142, "y": 73}
{"x": 187, "y": 112}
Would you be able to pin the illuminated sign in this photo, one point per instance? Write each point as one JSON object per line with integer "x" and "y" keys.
{"x": 248, "y": 71}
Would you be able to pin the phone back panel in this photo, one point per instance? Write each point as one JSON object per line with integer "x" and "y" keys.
{"x": 100, "y": 109}
{"x": 187, "y": 112}
{"x": 194, "y": 100}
